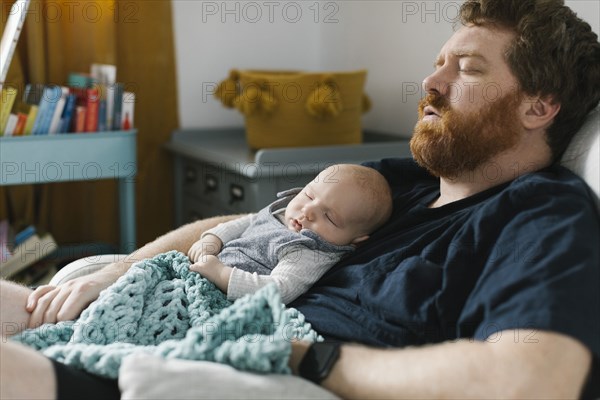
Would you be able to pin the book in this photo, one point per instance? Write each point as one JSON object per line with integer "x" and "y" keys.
{"x": 58, "y": 111}
{"x": 118, "y": 106}
{"x": 11, "y": 124}
{"x": 30, "y": 119}
{"x": 24, "y": 234}
{"x": 54, "y": 95}
{"x": 105, "y": 75}
{"x": 92, "y": 105}
{"x": 20, "y": 126}
{"x": 53, "y": 109}
{"x": 9, "y": 94}
{"x": 110, "y": 105}
{"x": 79, "y": 80}
{"x": 127, "y": 110}
{"x": 102, "y": 115}
{"x": 47, "y": 104}
{"x": 79, "y": 119}
{"x": 22, "y": 110}
{"x": 68, "y": 112}
{"x": 33, "y": 249}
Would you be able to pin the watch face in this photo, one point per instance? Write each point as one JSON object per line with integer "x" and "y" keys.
{"x": 319, "y": 360}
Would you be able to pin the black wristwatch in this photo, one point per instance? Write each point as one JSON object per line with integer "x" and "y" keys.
{"x": 319, "y": 360}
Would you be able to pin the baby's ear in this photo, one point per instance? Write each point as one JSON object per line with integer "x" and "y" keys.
{"x": 360, "y": 239}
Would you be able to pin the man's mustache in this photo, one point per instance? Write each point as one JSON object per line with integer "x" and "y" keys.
{"x": 436, "y": 101}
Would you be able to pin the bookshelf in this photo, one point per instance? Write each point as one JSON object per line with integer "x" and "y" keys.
{"x": 76, "y": 157}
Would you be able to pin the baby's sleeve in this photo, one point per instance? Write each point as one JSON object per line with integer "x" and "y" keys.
{"x": 227, "y": 231}
{"x": 297, "y": 270}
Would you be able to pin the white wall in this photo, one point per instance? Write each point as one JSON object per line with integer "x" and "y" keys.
{"x": 395, "y": 40}
{"x": 212, "y": 37}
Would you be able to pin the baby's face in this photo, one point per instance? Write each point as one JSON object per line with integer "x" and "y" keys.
{"x": 331, "y": 206}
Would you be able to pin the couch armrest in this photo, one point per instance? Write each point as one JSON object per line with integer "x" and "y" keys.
{"x": 84, "y": 266}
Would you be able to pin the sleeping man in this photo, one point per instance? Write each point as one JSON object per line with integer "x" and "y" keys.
{"x": 483, "y": 283}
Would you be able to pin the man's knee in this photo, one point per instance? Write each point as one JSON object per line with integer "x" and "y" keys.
{"x": 13, "y": 299}
{"x": 12, "y": 328}
{"x": 25, "y": 373}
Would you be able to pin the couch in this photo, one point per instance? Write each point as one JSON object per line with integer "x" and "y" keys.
{"x": 149, "y": 377}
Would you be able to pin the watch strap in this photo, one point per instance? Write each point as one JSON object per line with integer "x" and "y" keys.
{"x": 319, "y": 361}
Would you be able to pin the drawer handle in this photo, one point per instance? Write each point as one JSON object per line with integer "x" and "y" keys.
{"x": 211, "y": 184}
{"x": 190, "y": 175}
{"x": 236, "y": 193}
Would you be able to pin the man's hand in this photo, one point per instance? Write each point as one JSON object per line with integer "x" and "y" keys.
{"x": 214, "y": 270}
{"x": 209, "y": 245}
{"x": 50, "y": 304}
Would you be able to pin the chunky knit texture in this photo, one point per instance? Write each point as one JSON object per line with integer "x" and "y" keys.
{"x": 161, "y": 307}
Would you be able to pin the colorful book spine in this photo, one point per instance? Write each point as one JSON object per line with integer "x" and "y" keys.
{"x": 45, "y": 108}
{"x": 118, "y": 106}
{"x": 102, "y": 115}
{"x": 11, "y": 124}
{"x": 55, "y": 94}
{"x": 20, "y": 126}
{"x": 127, "y": 110}
{"x": 67, "y": 115}
{"x": 79, "y": 119}
{"x": 110, "y": 106}
{"x": 30, "y": 119}
{"x": 92, "y": 105}
{"x": 80, "y": 102}
{"x": 105, "y": 76}
{"x": 54, "y": 127}
{"x": 9, "y": 94}
{"x": 33, "y": 249}
{"x": 25, "y": 234}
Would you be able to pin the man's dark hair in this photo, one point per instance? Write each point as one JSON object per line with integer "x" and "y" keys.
{"x": 554, "y": 53}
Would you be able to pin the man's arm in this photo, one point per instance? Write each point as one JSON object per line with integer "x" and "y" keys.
{"x": 49, "y": 304}
{"x": 510, "y": 364}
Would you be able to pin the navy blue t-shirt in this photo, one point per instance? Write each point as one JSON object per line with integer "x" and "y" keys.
{"x": 521, "y": 255}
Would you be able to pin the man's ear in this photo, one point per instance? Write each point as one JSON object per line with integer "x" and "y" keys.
{"x": 360, "y": 239}
{"x": 539, "y": 112}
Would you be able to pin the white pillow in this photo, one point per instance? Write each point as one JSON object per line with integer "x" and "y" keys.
{"x": 84, "y": 266}
{"x": 151, "y": 377}
{"x": 583, "y": 154}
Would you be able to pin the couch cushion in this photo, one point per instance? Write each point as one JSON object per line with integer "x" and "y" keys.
{"x": 583, "y": 154}
{"x": 151, "y": 377}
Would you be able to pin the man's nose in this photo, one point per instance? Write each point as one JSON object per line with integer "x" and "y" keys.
{"x": 437, "y": 83}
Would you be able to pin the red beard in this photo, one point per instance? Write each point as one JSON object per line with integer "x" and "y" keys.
{"x": 459, "y": 143}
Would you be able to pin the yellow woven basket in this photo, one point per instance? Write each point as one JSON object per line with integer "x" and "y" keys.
{"x": 294, "y": 108}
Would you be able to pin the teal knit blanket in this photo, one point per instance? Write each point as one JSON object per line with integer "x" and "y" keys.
{"x": 160, "y": 307}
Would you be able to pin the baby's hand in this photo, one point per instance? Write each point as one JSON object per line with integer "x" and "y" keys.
{"x": 209, "y": 245}
{"x": 214, "y": 270}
